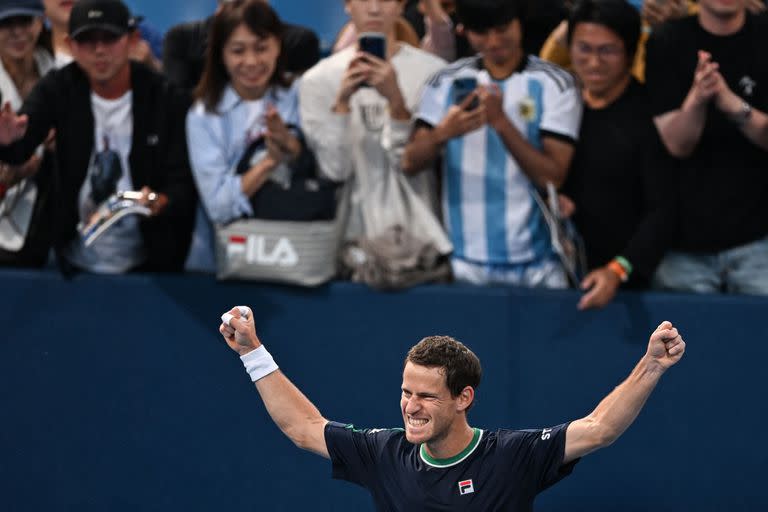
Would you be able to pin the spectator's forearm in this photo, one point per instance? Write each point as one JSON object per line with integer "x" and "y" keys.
{"x": 540, "y": 167}
{"x": 755, "y": 128}
{"x": 256, "y": 176}
{"x": 424, "y": 148}
{"x": 680, "y": 130}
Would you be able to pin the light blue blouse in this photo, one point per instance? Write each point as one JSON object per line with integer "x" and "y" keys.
{"x": 216, "y": 142}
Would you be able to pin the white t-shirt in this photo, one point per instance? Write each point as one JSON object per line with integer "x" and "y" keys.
{"x": 365, "y": 145}
{"x": 121, "y": 248}
{"x": 63, "y": 59}
{"x": 488, "y": 204}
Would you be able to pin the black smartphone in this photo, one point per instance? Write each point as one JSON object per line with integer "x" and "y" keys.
{"x": 463, "y": 87}
{"x": 373, "y": 43}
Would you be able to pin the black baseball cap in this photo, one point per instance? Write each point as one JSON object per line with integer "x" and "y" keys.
{"x": 109, "y": 15}
{"x": 14, "y": 8}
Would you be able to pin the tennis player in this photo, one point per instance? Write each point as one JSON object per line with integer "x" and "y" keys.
{"x": 438, "y": 461}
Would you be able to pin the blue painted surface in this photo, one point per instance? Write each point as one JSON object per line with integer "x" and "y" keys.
{"x": 117, "y": 393}
{"x": 326, "y": 17}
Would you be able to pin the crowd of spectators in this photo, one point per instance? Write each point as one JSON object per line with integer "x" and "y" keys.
{"x": 502, "y": 135}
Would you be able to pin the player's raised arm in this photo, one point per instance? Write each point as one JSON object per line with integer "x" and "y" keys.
{"x": 619, "y": 409}
{"x": 293, "y": 413}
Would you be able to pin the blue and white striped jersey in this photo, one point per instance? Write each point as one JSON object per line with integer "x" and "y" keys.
{"x": 488, "y": 207}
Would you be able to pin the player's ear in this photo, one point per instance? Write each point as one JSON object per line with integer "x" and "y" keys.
{"x": 465, "y": 398}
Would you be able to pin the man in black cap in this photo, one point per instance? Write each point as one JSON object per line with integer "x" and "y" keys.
{"x": 57, "y": 13}
{"x": 119, "y": 127}
{"x": 185, "y": 44}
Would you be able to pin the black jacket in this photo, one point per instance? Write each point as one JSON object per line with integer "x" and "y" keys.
{"x": 158, "y": 157}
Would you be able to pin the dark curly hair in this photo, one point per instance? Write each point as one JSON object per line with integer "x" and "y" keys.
{"x": 461, "y": 366}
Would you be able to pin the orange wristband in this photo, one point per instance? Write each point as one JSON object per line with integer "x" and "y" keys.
{"x": 615, "y": 267}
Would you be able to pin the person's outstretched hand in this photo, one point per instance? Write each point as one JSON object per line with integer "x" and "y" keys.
{"x": 12, "y": 126}
{"x": 239, "y": 331}
{"x": 600, "y": 287}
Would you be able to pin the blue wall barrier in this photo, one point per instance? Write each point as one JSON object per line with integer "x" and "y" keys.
{"x": 118, "y": 394}
{"x": 326, "y": 17}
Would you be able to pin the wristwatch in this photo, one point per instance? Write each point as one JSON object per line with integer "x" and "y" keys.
{"x": 743, "y": 115}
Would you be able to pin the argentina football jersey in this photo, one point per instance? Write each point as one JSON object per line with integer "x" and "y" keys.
{"x": 499, "y": 470}
{"x": 488, "y": 205}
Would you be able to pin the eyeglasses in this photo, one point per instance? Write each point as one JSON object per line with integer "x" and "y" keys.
{"x": 16, "y": 21}
{"x": 603, "y": 52}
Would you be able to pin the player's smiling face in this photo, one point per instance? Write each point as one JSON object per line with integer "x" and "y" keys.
{"x": 429, "y": 411}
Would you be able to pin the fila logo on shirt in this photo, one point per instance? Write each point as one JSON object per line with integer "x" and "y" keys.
{"x": 466, "y": 487}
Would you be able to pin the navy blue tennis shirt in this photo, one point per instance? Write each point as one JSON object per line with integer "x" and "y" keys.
{"x": 502, "y": 470}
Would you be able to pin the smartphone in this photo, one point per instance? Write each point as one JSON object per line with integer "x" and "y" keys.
{"x": 373, "y": 43}
{"x": 463, "y": 87}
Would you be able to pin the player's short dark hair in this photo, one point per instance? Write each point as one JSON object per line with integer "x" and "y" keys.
{"x": 617, "y": 15}
{"x": 483, "y": 15}
{"x": 461, "y": 366}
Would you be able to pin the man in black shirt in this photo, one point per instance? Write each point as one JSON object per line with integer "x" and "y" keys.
{"x": 119, "y": 127}
{"x": 185, "y": 44}
{"x": 708, "y": 82}
{"x": 617, "y": 176}
{"x": 438, "y": 461}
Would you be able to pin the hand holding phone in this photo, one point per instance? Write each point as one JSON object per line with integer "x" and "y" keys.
{"x": 462, "y": 88}
{"x": 373, "y": 43}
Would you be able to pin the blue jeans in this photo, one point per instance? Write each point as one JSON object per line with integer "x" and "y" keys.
{"x": 743, "y": 269}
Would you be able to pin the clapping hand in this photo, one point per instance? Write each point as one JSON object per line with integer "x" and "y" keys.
{"x": 282, "y": 145}
{"x": 707, "y": 80}
{"x": 709, "y": 85}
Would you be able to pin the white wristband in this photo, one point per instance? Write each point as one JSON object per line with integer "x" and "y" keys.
{"x": 259, "y": 363}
